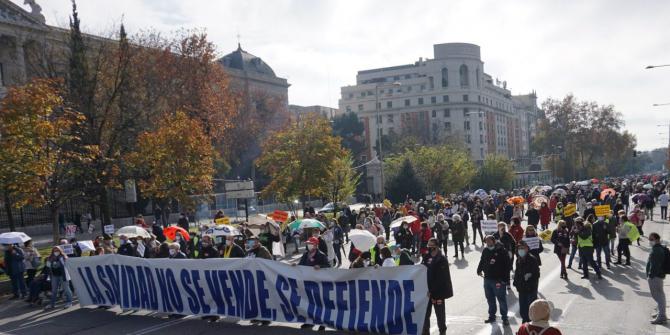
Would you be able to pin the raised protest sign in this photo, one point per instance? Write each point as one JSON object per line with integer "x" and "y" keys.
{"x": 383, "y": 300}
{"x": 280, "y": 216}
{"x": 68, "y": 249}
{"x": 222, "y": 221}
{"x": 569, "y": 210}
{"x": 70, "y": 231}
{"x": 533, "y": 242}
{"x": 603, "y": 210}
{"x": 489, "y": 226}
{"x": 109, "y": 229}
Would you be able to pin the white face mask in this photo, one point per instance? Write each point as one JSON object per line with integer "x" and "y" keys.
{"x": 311, "y": 247}
{"x": 173, "y": 252}
{"x": 380, "y": 245}
{"x": 57, "y": 253}
{"x": 652, "y": 243}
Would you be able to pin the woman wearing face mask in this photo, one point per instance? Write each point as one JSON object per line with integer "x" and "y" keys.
{"x": 561, "y": 240}
{"x": 175, "y": 251}
{"x": 526, "y": 278}
{"x": 403, "y": 236}
{"x": 58, "y": 276}
{"x": 230, "y": 249}
{"x": 256, "y": 250}
{"x": 534, "y": 243}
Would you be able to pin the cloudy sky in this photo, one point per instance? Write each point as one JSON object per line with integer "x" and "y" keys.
{"x": 596, "y": 49}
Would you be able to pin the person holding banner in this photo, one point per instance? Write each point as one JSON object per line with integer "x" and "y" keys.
{"x": 256, "y": 250}
{"x": 231, "y": 249}
{"x": 439, "y": 286}
{"x": 494, "y": 267}
{"x": 315, "y": 258}
{"x": 175, "y": 251}
{"x": 207, "y": 249}
{"x": 526, "y": 278}
{"x": 58, "y": 276}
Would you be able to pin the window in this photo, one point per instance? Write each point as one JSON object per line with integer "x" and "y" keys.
{"x": 348, "y": 109}
{"x": 389, "y": 118}
{"x": 481, "y": 126}
{"x": 481, "y": 152}
{"x": 466, "y": 125}
{"x": 477, "y": 77}
{"x": 379, "y": 105}
{"x": 423, "y": 87}
{"x": 351, "y": 95}
{"x": 431, "y": 83}
{"x": 445, "y": 98}
{"x": 370, "y": 93}
{"x": 445, "y": 77}
{"x": 420, "y": 101}
{"x": 433, "y": 100}
{"x": 468, "y": 139}
{"x": 447, "y": 126}
{"x": 407, "y": 76}
{"x": 479, "y": 98}
{"x": 406, "y": 102}
{"x": 465, "y": 97}
{"x": 409, "y": 88}
{"x": 447, "y": 112}
{"x": 379, "y": 119}
{"x": 391, "y": 130}
{"x": 434, "y": 113}
{"x": 362, "y": 94}
{"x": 360, "y": 108}
{"x": 481, "y": 138}
{"x": 396, "y": 77}
{"x": 463, "y": 71}
{"x": 389, "y": 104}
{"x": 466, "y": 112}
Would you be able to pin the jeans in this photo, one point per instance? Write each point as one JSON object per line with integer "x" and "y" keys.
{"x": 338, "y": 253}
{"x": 623, "y": 248}
{"x": 495, "y": 289}
{"x": 18, "y": 284}
{"x": 657, "y": 293}
{"x": 56, "y": 282}
{"x": 664, "y": 212}
{"x": 476, "y": 229}
{"x": 573, "y": 251}
{"x": 612, "y": 240}
{"x": 440, "y": 314}
{"x": 525, "y": 299}
{"x": 456, "y": 245}
{"x": 586, "y": 255}
{"x": 606, "y": 249}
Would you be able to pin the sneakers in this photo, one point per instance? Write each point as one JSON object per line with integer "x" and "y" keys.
{"x": 658, "y": 321}
{"x": 490, "y": 320}
{"x": 505, "y": 322}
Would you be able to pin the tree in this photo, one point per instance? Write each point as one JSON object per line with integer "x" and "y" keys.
{"x": 496, "y": 172}
{"x": 342, "y": 180}
{"x": 40, "y": 149}
{"x": 176, "y": 160}
{"x": 405, "y": 184}
{"x": 348, "y": 127}
{"x": 299, "y": 159}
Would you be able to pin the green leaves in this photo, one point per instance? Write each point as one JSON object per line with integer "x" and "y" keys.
{"x": 496, "y": 172}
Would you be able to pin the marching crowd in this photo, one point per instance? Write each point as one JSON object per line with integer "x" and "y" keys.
{"x": 511, "y": 255}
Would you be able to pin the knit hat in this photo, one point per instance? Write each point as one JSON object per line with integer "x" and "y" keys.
{"x": 539, "y": 310}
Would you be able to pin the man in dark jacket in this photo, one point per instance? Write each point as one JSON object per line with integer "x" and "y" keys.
{"x": 175, "y": 251}
{"x": 439, "y": 285}
{"x": 526, "y": 278}
{"x": 127, "y": 248}
{"x": 313, "y": 256}
{"x": 508, "y": 242}
{"x": 230, "y": 249}
{"x": 494, "y": 267}
{"x": 15, "y": 268}
{"x": 207, "y": 249}
{"x": 533, "y": 216}
{"x": 256, "y": 250}
{"x": 601, "y": 241}
{"x": 401, "y": 256}
{"x": 655, "y": 275}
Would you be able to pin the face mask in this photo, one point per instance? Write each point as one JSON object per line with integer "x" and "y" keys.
{"x": 173, "y": 252}
{"x": 366, "y": 262}
{"x": 250, "y": 245}
{"x": 652, "y": 243}
{"x": 122, "y": 242}
{"x": 432, "y": 249}
{"x": 177, "y": 238}
{"x": 522, "y": 252}
{"x": 311, "y": 247}
{"x": 380, "y": 245}
{"x": 57, "y": 253}
{"x": 229, "y": 242}
{"x": 491, "y": 247}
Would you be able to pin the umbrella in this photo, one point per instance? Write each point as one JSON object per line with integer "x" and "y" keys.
{"x": 546, "y": 188}
{"x": 14, "y": 237}
{"x": 640, "y": 198}
{"x": 595, "y": 180}
{"x": 560, "y": 192}
{"x": 583, "y": 183}
{"x": 133, "y": 231}
{"x": 538, "y": 200}
{"x": 171, "y": 232}
{"x": 607, "y": 192}
{"x": 516, "y": 200}
{"x": 362, "y": 239}
{"x": 493, "y": 192}
{"x": 222, "y": 230}
{"x": 480, "y": 193}
{"x": 648, "y": 186}
{"x": 560, "y": 186}
{"x": 306, "y": 223}
{"x": 397, "y": 222}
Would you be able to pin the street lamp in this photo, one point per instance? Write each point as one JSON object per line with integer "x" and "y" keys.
{"x": 655, "y": 66}
{"x": 379, "y": 132}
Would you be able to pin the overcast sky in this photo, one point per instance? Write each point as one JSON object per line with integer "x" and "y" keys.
{"x": 596, "y": 49}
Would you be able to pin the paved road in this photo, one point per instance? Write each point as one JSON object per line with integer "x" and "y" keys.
{"x": 618, "y": 304}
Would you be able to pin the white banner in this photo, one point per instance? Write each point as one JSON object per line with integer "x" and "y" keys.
{"x": 489, "y": 226}
{"x": 384, "y": 300}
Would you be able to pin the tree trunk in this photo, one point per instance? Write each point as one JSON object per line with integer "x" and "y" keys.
{"x": 55, "y": 228}
{"x": 105, "y": 216}
{"x": 8, "y": 209}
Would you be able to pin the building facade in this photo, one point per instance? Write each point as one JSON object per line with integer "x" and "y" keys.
{"x": 296, "y": 112}
{"x": 449, "y": 97}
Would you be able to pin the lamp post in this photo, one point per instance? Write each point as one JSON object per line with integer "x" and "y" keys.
{"x": 379, "y": 134}
{"x": 655, "y": 66}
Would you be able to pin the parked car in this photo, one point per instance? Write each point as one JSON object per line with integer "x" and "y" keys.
{"x": 330, "y": 207}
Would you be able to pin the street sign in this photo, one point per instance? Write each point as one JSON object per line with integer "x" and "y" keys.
{"x": 239, "y": 185}
{"x": 241, "y": 194}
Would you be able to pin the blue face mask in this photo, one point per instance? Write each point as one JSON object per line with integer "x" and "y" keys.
{"x": 250, "y": 244}
{"x": 522, "y": 252}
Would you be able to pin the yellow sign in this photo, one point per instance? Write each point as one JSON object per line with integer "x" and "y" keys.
{"x": 387, "y": 203}
{"x": 603, "y": 210}
{"x": 569, "y": 210}
{"x": 224, "y": 220}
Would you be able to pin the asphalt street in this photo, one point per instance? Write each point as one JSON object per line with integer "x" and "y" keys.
{"x": 618, "y": 304}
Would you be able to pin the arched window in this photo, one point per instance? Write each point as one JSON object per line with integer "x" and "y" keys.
{"x": 477, "y": 79}
{"x": 465, "y": 81}
{"x": 445, "y": 77}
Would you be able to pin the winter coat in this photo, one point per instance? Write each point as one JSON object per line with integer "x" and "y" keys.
{"x": 534, "y": 216}
{"x": 560, "y": 239}
{"x": 545, "y": 215}
{"x": 457, "y": 231}
{"x": 600, "y": 235}
{"x": 527, "y": 265}
{"x": 517, "y": 232}
{"x": 495, "y": 263}
{"x": 318, "y": 258}
{"x": 655, "y": 262}
{"x": 404, "y": 238}
{"x": 439, "y": 278}
{"x": 14, "y": 261}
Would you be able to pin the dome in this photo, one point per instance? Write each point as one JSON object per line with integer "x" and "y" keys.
{"x": 244, "y": 61}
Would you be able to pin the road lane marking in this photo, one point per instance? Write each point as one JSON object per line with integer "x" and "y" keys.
{"x": 160, "y": 326}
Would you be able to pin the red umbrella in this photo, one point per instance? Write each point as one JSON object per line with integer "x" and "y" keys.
{"x": 606, "y": 192}
{"x": 516, "y": 200}
{"x": 171, "y": 232}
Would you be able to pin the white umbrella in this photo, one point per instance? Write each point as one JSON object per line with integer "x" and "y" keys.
{"x": 397, "y": 222}
{"x": 14, "y": 237}
{"x": 648, "y": 186}
{"x": 560, "y": 191}
{"x": 362, "y": 239}
{"x": 133, "y": 231}
{"x": 222, "y": 230}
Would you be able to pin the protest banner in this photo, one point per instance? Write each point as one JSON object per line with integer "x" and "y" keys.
{"x": 225, "y": 220}
{"x": 280, "y": 216}
{"x": 533, "y": 242}
{"x": 141, "y": 249}
{"x": 489, "y": 226}
{"x": 70, "y": 231}
{"x": 603, "y": 210}
{"x": 569, "y": 210}
{"x": 68, "y": 249}
{"x": 86, "y": 245}
{"x": 382, "y": 300}
{"x": 109, "y": 229}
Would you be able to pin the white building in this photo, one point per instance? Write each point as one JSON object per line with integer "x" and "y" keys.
{"x": 449, "y": 96}
{"x": 297, "y": 112}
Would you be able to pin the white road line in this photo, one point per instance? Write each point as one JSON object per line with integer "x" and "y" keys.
{"x": 160, "y": 326}
{"x": 28, "y": 326}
